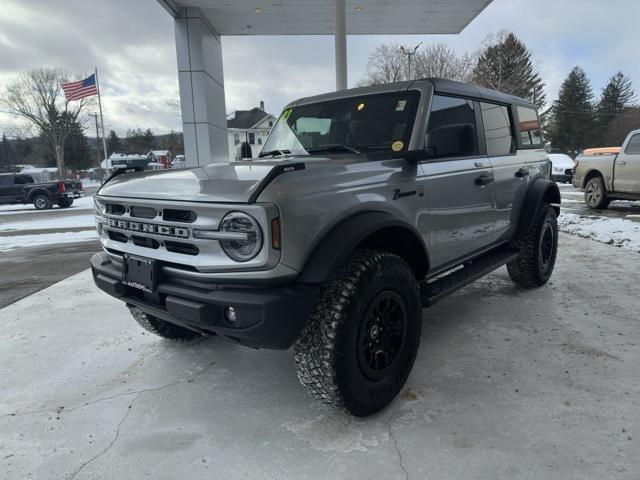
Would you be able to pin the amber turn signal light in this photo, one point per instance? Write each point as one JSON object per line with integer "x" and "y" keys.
{"x": 275, "y": 233}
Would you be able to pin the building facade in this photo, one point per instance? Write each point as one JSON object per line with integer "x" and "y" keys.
{"x": 251, "y": 126}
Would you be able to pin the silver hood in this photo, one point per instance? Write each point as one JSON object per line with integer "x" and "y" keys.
{"x": 226, "y": 182}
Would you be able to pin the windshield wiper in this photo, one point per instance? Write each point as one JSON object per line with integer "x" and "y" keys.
{"x": 334, "y": 147}
{"x": 273, "y": 153}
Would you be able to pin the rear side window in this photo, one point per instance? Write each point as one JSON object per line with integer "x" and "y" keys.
{"x": 529, "y": 128}
{"x": 5, "y": 180}
{"x": 23, "y": 179}
{"x": 497, "y": 129}
{"x": 633, "y": 147}
{"x": 452, "y": 127}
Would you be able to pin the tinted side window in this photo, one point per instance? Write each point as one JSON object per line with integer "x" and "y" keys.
{"x": 633, "y": 147}
{"x": 529, "y": 128}
{"x": 452, "y": 127}
{"x": 497, "y": 129}
{"x": 23, "y": 179}
{"x": 5, "y": 180}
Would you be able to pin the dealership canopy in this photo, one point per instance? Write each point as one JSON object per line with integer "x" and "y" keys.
{"x": 200, "y": 23}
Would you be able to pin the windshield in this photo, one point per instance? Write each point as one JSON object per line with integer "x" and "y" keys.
{"x": 380, "y": 122}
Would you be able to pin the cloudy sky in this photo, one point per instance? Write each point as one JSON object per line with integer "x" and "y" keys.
{"x": 132, "y": 43}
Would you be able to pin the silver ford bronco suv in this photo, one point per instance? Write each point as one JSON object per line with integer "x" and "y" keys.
{"x": 365, "y": 206}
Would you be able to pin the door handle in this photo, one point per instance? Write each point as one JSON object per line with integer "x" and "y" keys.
{"x": 522, "y": 172}
{"x": 484, "y": 179}
{"x": 621, "y": 162}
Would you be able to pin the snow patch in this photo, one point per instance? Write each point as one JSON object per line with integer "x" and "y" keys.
{"x": 613, "y": 231}
{"x": 11, "y": 243}
{"x": 74, "y": 221}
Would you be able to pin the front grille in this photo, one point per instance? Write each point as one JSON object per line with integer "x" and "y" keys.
{"x": 143, "y": 212}
{"x": 115, "y": 209}
{"x": 184, "y": 248}
{"x": 145, "y": 242}
{"x": 183, "y": 216}
{"x": 117, "y": 236}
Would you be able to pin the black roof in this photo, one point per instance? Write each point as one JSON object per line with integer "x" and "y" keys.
{"x": 440, "y": 85}
{"x": 451, "y": 87}
{"x": 247, "y": 118}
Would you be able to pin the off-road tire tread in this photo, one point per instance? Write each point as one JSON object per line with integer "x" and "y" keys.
{"x": 315, "y": 349}
{"x": 161, "y": 328}
{"x": 524, "y": 271}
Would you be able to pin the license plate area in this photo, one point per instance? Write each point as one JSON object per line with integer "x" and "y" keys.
{"x": 140, "y": 273}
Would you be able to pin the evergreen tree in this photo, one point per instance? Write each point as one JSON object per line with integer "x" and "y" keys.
{"x": 77, "y": 151}
{"x": 505, "y": 64}
{"x": 7, "y": 157}
{"x": 573, "y": 123}
{"x": 617, "y": 97}
{"x": 113, "y": 143}
{"x": 148, "y": 139}
{"x": 23, "y": 148}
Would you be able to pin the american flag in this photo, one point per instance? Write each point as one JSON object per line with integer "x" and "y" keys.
{"x": 80, "y": 89}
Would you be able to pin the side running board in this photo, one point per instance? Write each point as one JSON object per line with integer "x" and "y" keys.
{"x": 432, "y": 291}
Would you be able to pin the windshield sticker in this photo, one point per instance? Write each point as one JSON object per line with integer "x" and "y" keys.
{"x": 287, "y": 113}
{"x": 397, "y": 146}
{"x": 400, "y": 105}
{"x": 360, "y": 107}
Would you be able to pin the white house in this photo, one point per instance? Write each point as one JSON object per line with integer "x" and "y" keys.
{"x": 251, "y": 126}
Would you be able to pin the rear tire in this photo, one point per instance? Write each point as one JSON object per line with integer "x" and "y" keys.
{"x": 161, "y": 328}
{"x": 359, "y": 345}
{"x": 595, "y": 194}
{"x": 65, "y": 203}
{"x": 42, "y": 202}
{"x": 538, "y": 247}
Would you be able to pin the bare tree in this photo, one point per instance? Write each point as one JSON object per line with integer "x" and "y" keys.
{"x": 440, "y": 61}
{"x": 387, "y": 64}
{"x": 36, "y": 97}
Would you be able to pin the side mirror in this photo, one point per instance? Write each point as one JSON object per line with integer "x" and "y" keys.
{"x": 417, "y": 156}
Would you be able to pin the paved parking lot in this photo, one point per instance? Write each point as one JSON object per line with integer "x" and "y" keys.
{"x": 508, "y": 384}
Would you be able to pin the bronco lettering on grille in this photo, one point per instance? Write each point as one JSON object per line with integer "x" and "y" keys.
{"x": 164, "y": 230}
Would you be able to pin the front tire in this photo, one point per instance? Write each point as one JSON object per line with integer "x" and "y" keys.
{"x": 595, "y": 194}
{"x": 359, "y": 345}
{"x": 538, "y": 247}
{"x": 161, "y": 328}
{"x": 42, "y": 202}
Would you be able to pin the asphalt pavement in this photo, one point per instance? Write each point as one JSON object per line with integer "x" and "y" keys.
{"x": 27, "y": 270}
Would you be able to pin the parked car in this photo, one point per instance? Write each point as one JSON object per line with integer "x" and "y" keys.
{"x": 365, "y": 206}
{"x": 561, "y": 167}
{"x": 21, "y": 188}
{"x": 610, "y": 173}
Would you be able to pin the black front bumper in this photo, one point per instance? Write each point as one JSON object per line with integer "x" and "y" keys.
{"x": 562, "y": 178}
{"x": 267, "y": 317}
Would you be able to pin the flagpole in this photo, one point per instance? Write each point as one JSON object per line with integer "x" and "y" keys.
{"x": 104, "y": 142}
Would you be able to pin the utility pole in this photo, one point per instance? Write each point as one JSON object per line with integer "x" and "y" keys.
{"x": 95, "y": 115}
{"x": 409, "y": 54}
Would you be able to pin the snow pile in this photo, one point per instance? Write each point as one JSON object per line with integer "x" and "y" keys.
{"x": 10, "y": 243}
{"x": 74, "y": 221}
{"x": 613, "y": 231}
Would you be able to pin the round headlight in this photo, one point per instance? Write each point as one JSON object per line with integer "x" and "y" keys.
{"x": 245, "y": 236}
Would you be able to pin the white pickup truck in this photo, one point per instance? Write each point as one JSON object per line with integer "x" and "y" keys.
{"x": 608, "y": 174}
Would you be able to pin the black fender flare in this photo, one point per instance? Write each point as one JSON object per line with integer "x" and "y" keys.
{"x": 38, "y": 191}
{"x": 540, "y": 190}
{"x": 331, "y": 252}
